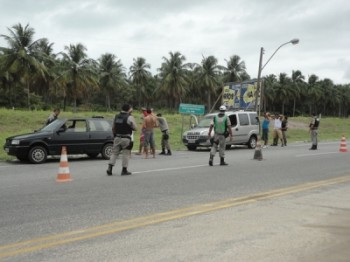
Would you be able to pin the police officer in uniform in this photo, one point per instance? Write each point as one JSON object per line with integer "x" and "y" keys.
{"x": 222, "y": 126}
{"x": 315, "y": 122}
{"x": 164, "y": 128}
{"x": 123, "y": 126}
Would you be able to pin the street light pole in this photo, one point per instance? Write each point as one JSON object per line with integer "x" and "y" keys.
{"x": 259, "y": 92}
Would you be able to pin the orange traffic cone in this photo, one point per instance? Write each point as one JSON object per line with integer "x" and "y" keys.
{"x": 63, "y": 171}
{"x": 258, "y": 152}
{"x": 343, "y": 147}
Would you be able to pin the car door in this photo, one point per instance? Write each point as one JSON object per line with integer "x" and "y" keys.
{"x": 74, "y": 136}
{"x": 100, "y": 132}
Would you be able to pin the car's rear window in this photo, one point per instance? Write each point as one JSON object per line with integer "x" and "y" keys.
{"x": 100, "y": 125}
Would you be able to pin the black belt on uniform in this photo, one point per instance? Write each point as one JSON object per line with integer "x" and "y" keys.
{"x": 122, "y": 136}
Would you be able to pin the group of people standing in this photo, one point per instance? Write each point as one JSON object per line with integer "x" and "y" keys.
{"x": 279, "y": 129}
{"x": 150, "y": 121}
{"x": 124, "y": 125}
{"x": 281, "y": 126}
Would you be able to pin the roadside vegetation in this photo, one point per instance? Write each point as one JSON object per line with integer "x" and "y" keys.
{"x": 33, "y": 76}
{"x": 15, "y": 122}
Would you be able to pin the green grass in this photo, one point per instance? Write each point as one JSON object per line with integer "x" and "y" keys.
{"x": 15, "y": 122}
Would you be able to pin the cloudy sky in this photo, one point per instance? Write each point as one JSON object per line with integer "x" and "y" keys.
{"x": 197, "y": 28}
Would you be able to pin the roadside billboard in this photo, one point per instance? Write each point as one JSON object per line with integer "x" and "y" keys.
{"x": 240, "y": 95}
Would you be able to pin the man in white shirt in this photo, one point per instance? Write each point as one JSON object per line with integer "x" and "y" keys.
{"x": 277, "y": 131}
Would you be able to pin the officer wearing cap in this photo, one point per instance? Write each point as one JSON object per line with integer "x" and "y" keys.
{"x": 222, "y": 128}
{"x": 123, "y": 126}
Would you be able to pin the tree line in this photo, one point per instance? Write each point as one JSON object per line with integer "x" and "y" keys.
{"x": 33, "y": 76}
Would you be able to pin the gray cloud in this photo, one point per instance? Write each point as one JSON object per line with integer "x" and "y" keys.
{"x": 221, "y": 28}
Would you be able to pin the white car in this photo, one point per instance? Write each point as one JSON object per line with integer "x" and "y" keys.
{"x": 245, "y": 130}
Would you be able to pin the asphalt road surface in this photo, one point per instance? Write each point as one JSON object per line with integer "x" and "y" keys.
{"x": 294, "y": 205}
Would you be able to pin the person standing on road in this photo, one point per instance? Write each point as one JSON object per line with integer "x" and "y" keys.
{"x": 164, "y": 128}
{"x": 149, "y": 122}
{"x": 265, "y": 129}
{"x": 123, "y": 126}
{"x": 277, "y": 131}
{"x": 284, "y": 128}
{"x": 53, "y": 116}
{"x": 222, "y": 128}
{"x": 314, "y": 123}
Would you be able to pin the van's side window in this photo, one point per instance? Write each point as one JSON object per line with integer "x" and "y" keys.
{"x": 233, "y": 120}
{"x": 254, "y": 119}
{"x": 243, "y": 119}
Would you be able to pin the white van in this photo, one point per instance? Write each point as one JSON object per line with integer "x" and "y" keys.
{"x": 245, "y": 130}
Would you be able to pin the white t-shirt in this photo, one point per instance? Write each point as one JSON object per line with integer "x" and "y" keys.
{"x": 278, "y": 124}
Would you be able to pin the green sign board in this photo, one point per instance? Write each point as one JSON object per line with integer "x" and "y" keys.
{"x": 191, "y": 109}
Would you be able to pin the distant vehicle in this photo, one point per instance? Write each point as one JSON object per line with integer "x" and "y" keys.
{"x": 91, "y": 136}
{"x": 245, "y": 130}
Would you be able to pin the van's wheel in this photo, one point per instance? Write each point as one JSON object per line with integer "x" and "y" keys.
{"x": 37, "y": 155}
{"x": 252, "y": 142}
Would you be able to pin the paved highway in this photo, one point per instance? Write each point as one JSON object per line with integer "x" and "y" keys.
{"x": 291, "y": 206}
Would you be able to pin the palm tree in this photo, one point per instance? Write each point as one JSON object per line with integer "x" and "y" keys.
{"x": 139, "y": 76}
{"x": 235, "y": 70}
{"x": 111, "y": 76}
{"x": 21, "y": 57}
{"x": 297, "y": 82}
{"x": 45, "y": 87}
{"x": 78, "y": 72}
{"x": 282, "y": 91}
{"x": 173, "y": 75}
{"x": 313, "y": 93}
{"x": 208, "y": 78}
{"x": 269, "y": 83}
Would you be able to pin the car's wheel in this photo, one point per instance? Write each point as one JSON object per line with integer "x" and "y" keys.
{"x": 252, "y": 142}
{"x": 228, "y": 146}
{"x": 192, "y": 148}
{"x": 92, "y": 155}
{"x": 37, "y": 155}
{"x": 107, "y": 150}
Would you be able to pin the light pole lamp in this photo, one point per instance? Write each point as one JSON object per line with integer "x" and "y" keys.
{"x": 259, "y": 92}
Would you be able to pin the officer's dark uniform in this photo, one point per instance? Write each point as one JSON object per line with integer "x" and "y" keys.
{"x": 315, "y": 121}
{"x": 123, "y": 126}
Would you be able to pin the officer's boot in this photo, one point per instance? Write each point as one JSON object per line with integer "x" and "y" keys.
{"x": 163, "y": 151}
{"x": 125, "y": 172}
{"x": 314, "y": 147}
{"x": 211, "y": 158}
{"x": 222, "y": 162}
{"x": 109, "y": 170}
{"x": 169, "y": 152}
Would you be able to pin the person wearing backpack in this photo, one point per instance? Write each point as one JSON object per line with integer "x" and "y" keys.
{"x": 222, "y": 128}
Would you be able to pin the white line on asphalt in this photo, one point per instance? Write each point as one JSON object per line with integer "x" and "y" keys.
{"x": 167, "y": 169}
{"x": 318, "y": 154}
